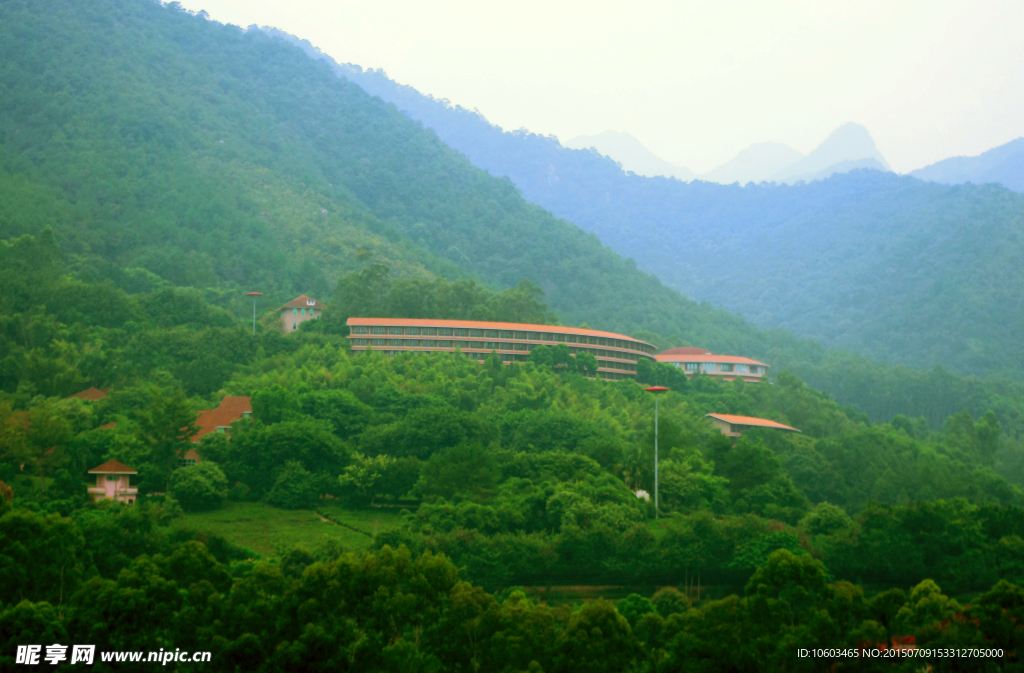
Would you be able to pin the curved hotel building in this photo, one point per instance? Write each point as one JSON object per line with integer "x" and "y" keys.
{"x": 698, "y": 360}
{"x": 616, "y": 354}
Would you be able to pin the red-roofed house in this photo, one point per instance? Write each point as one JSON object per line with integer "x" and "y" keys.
{"x": 699, "y": 360}
{"x": 112, "y": 483}
{"x": 220, "y": 419}
{"x": 734, "y": 426}
{"x": 298, "y": 311}
{"x": 91, "y": 394}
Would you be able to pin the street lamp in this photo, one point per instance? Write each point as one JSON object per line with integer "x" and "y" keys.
{"x": 254, "y": 295}
{"x": 656, "y": 390}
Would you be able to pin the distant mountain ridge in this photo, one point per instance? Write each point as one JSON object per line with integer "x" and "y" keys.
{"x": 757, "y": 163}
{"x": 847, "y": 148}
{"x": 631, "y": 153}
{"x": 838, "y": 260}
{"x": 1001, "y": 165}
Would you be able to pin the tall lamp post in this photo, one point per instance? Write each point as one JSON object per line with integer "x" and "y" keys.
{"x": 656, "y": 390}
{"x": 254, "y": 295}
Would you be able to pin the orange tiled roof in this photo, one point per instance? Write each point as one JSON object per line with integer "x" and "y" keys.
{"x": 302, "y": 301}
{"x": 482, "y": 324}
{"x": 92, "y": 394}
{"x": 107, "y": 426}
{"x": 751, "y": 420}
{"x": 229, "y": 410}
{"x": 20, "y": 418}
{"x": 686, "y": 350}
{"x": 112, "y": 467}
{"x": 718, "y": 359}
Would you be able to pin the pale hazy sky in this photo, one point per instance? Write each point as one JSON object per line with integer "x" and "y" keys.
{"x": 695, "y": 81}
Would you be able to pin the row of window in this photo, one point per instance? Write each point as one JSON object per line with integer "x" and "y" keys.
{"x": 485, "y": 345}
{"x": 302, "y": 311}
{"x": 503, "y": 334}
{"x": 711, "y": 366}
{"x": 515, "y": 357}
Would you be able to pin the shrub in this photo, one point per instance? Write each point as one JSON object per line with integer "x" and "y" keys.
{"x": 669, "y": 601}
{"x": 826, "y": 519}
{"x": 294, "y": 488}
{"x": 633, "y": 607}
{"x": 199, "y": 487}
{"x": 239, "y": 493}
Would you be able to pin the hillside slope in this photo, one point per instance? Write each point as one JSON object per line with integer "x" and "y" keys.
{"x": 1003, "y": 165}
{"x": 206, "y": 154}
{"x": 894, "y": 268}
{"x": 152, "y": 138}
{"x": 222, "y": 158}
{"x": 631, "y": 153}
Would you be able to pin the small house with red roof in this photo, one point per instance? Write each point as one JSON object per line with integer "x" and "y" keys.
{"x": 693, "y": 360}
{"x": 90, "y": 394}
{"x": 112, "y": 483}
{"x": 298, "y": 311}
{"x": 734, "y": 426}
{"x": 229, "y": 410}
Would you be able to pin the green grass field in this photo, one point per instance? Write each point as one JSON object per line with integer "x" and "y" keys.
{"x": 267, "y": 530}
{"x": 374, "y": 520}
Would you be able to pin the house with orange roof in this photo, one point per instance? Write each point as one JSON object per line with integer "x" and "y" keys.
{"x": 298, "y": 311}
{"x": 229, "y": 410}
{"x": 693, "y": 360}
{"x": 617, "y": 355}
{"x": 90, "y": 394}
{"x": 735, "y": 426}
{"x": 112, "y": 483}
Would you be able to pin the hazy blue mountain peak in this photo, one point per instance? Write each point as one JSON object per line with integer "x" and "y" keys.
{"x": 755, "y": 164}
{"x": 849, "y": 146}
{"x": 632, "y": 154}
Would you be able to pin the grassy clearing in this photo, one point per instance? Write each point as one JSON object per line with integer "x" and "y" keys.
{"x": 268, "y": 530}
{"x": 372, "y": 521}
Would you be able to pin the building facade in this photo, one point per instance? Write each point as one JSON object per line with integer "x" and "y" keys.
{"x": 298, "y": 311}
{"x": 112, "y": 479}
{"x": 616, "y": 354}
{"x": 700, "y": 361}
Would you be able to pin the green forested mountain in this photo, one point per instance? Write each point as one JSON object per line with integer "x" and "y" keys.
{"x": 892, "y": 267}
{"x": 154, "y": 164}
{"x": 200, "y": 154}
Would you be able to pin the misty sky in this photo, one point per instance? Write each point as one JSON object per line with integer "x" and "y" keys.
{"x": 695, "y": 81}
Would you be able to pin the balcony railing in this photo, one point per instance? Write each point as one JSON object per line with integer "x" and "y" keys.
{"x": 121, "y": 491}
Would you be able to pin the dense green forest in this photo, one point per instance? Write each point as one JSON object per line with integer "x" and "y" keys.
{"x": 891, "y": 267}
{"x": 510, "y": 476}
{"x": 163, "y": 147}
{"x": 507, "y": 476}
